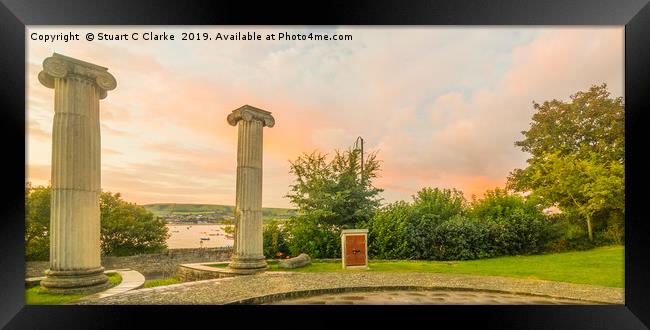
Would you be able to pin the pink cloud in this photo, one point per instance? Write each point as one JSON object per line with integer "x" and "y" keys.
{"x": 439, "y": 112}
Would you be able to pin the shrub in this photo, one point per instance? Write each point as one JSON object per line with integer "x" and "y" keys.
{"x": 523, "y": 228}
{"x": 463, "y": 239}
{"x": 386, "y": 232}
{"x": 274, "y": 238}
{"x": 431, "y": 208}
{"x": 318, "y": 240}
{"x": 438, "y": 205}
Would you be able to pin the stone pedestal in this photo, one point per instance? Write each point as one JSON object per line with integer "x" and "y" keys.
{"x": 247, "y": 249}
{"x": 75, "y": 264}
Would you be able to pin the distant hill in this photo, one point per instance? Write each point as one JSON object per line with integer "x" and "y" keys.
{"x": 166, "y": 209}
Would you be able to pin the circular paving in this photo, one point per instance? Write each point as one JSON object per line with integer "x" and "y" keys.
{"x": 371, "y": 288}
{"x": 433, "y": 297}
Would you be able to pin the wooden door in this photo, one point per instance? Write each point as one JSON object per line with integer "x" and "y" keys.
{"x": 355, "y": 250}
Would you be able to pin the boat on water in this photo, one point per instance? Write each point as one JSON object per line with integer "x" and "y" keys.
{"x": 205, "y": 238}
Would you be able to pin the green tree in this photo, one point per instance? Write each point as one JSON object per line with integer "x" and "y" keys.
{"x": 335, "y": 192}
{"x": 37, "y": 205}
{"x": 330, "y": 195}
{"x": 586, "y": 186}
{"x": 125, "y": 227}
{"x": 577, "y": 149}
{"x": 592, "y": 122}
{"x": 37, "y": 222}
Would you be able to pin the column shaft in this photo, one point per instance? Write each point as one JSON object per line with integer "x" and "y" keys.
{"x": 76, "y": 179}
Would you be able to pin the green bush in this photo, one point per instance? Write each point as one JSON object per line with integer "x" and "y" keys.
{"x": 463, "y": 239}
{"x": 274, "y": 238}
{"x": 524, "y": 229}
{"x": 318, "y": 240}
{"x": 438, "y": 205}
{"x": 439, "y": 226}
{"x": 431, "y": 208}
{"x": 386, "y": 232}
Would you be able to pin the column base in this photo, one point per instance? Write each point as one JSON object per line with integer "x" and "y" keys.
{"x": 253, "y": 264}
{"x": 75, "y": 281}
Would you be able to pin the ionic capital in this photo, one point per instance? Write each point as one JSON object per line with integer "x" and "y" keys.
{"x": 249, "y": 113}
{"x": 61, "y": 67}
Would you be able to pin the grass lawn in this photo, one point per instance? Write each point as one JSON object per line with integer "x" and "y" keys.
{"x": 161, "y": 282}
{"x": 600, "y": 266}
{"x": 34, "y": 296}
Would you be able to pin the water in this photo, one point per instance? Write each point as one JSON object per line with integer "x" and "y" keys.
{"x": 189, "y": 236}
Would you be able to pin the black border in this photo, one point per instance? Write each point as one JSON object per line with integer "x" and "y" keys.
{"x": 634, "y": 14}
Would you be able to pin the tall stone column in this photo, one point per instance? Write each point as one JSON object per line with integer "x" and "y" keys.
{"x": 247, "y": 250}
{"x": 75, "y": 264}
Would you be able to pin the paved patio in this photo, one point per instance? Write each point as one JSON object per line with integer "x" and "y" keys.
{"x": 273, "y": 287}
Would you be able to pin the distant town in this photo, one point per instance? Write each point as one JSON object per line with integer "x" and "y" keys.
{"x": 208, "y": 213}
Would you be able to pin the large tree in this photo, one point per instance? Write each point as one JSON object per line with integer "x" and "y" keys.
{"x": 330, "y": 195}
{"x": 577, "y": 158}
{"x": 335, "y": 192}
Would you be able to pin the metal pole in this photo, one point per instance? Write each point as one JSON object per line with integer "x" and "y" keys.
{"x": 356, "y": 144}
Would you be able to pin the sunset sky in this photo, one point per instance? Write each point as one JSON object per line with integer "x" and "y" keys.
{"x": 443, "y": 106}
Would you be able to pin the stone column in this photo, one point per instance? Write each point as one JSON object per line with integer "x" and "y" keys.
{"x": 75, "y": 264}
{"x": 247, "y": 250}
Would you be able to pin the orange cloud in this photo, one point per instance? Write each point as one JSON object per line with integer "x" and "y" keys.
{"x": 439, "y": 113}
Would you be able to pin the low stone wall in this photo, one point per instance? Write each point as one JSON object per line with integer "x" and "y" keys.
{"x": 190, "y": 272}
{"x": 152, "y": 265}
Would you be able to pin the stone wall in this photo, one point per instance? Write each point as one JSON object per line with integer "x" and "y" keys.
{"x": 189, "y": 273}
{"x": 152, "y": 265}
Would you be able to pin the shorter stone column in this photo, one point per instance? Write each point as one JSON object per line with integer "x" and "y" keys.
{"x": 248, "y": 256}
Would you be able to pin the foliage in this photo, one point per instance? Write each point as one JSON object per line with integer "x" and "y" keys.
{"x": 585, "y": 187}
{"x": 592, "y": 122}
{"x": 521, "y": 226}
{"x": 438, "y": 205}
{"x": 438, "y": 225}
{"x": 577, "y": 160}
{"x": 461, "y": 239}
{"x": 387, "y": 232}
{"x": 499, "y": 204}
{"x": 333, "y": 192}
{"x": 125, "y": 227}
{"x": 129, "y": 229}
{"x": 229, "y": 227}
{"x": 431, "y": 208}
{"x": 37, "y": 242}
{"x": 274, "y": 240}
{"x": 307, "y": 235}
{"x": 37, "y": 205}
{"x": 330, "y": 196}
